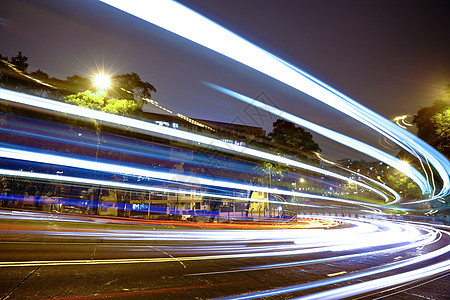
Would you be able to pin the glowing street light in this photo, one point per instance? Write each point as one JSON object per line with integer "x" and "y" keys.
{"x": 102, "y": 81}
{"x": 403, "y": 166}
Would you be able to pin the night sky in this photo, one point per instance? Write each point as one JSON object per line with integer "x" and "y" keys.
{"x": 392, "y": 56}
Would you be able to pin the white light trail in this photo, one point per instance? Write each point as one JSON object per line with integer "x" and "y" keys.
{"x": 307, "y": 241}
{"x": 364, "y": 287}
{"x": 139, "y": 187}
{"x": 200, "y": 140}
{"x": 185, "y": 22}
{"x": 119, "y": 169}
{"x": 388, "y": 159}
{"x": 209, "y": 245}
{"x": 380, "y": 283}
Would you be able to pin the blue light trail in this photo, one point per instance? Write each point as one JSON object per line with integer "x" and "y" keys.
{"x": 187, "y": 23}
{"x": 201, "y": 141}
{"x": 388, "y": 159}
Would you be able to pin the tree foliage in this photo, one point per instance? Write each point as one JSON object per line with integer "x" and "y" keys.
{"x": 100, "y": 101}
{"x": 20, "y": 62}
{"x": 77, "y": 83}
{"x": 12, "y": 71}
{"x": 442, "y": 123}
{"x": 433, "y": 126}
{"x": 131, "y": 86}
{"x": 14, "y": 75}
{"x": 400, "y": 182}
{"x": 271, "y": 171}
{"x": 292, "y": 140}
{"x": 382, "y": 172}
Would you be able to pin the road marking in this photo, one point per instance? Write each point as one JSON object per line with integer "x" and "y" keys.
{"x": 184, "y": 266}
{"x": 336, "y": 274}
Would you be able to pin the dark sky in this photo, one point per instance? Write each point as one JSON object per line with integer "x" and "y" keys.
{"x": 392, "y": 56}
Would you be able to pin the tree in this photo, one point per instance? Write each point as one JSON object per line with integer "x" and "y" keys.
{"x": 13, "y": 71}
{"x": 14, "y": 75}
{"x": 433, "y": 126}
{"x": 442, "y": 123}
{"x": 131, "y": 86}
{"x": 292, "y": 140}
{"x": 100, "y": 101}
{"x": 264, "y": 173}
{"x": 77, "y": 83}
{"x": 400, "y": 182}
{"x": 273, "y": 170}
{"x": 20, "y": 62}
{"x": 39, "y": 74}
{"x": 40, "y": 85}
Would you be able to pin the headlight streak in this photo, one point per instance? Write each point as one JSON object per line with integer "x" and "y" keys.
{"x": 114, "y": 144}
{"x": 401, "y": 137}
{"x": 221, "y": 244}
{"x": 105, "y": 183}
{"x": 118, "y": 169}
{"x": 415, "y": 154}
{"x": 338, "y": 137}
{"x": 167, "y": 132}
{"x": 313, "y": 241}
{"x": 426, "y": 239}
{"x": 431, "y": 239}
{"x": 224, "y": 244}
{"x": 373, "y": 284}
{"x": 187, "y": 23}
{"x": 376, "y": 284}
{"x": 309, "y": 238}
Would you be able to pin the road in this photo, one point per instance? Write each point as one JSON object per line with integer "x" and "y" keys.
{"x": 66, "y": 257}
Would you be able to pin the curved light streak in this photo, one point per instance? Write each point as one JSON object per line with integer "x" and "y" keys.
{"x": 237, "y": 244}
{"x": 364, "y": 287}
{"x": 187, "y": 23}
{"x": 243, "y": 236}
{"x": 380, "y": 184}
{"x": 203, "y": 141}
{"x": 388, "y": 159}
{"x": 376, "y": 284}
{"x": 119, "y": 169}
{"x": 139, "y": 187}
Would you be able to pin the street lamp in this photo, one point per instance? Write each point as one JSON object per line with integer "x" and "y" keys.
{"x": 102, "y": 81}
{"x": 403, "y": 166}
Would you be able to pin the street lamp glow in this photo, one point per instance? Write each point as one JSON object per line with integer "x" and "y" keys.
{"x": 403, "y": 166}
{"x": 102, "y": 81}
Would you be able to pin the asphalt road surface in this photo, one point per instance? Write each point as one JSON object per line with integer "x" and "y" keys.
{"x": 65, "y": 257}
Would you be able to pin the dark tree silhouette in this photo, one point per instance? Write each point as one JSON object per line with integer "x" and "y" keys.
{"x": 292, "y": 140}
{"x": 13, "y": 71}
{"x": 20, "y": 62}
{"x": 131, "y": 86}
{"x": 14, "y": 75}
{"x": 77, "y": 83}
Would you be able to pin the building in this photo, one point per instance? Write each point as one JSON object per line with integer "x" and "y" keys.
{"x": 231, "y": 133}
